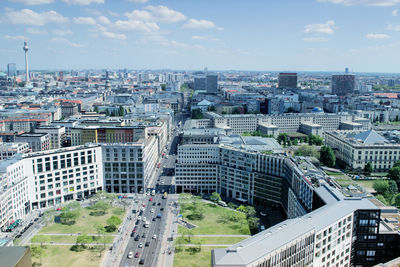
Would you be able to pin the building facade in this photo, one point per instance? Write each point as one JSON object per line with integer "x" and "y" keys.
{"x": 343, "y": 84}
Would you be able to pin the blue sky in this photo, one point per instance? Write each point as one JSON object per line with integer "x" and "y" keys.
{"x": 308, "y": 35}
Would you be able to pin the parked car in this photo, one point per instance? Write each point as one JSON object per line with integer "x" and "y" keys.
{"x": 130, "y": 255}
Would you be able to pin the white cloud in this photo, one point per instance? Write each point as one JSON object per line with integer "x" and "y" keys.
{"x": 377, "y": 36}
{"x": 29, "y": 17}
{"x": 204, "y": 37}
{"x": 199, "y": 24}
{"x": 165, "y": 15}
{"x": 66, "y": 41}
{"x": 138, "y": 1}
{"x": 394, "y": 12}
{"x": 324, "y": 28}
{"x": 363, "y": 2}
{"x": 83, "y": 2}
{"x": 315, "y": 39}
{"x": 136, "y": 25}
{"x": 393, "y": 27}
{"x": 142, "y": 15}
{"x": 85, "y": 20}
{"x": 61, "y": 32}
{"x": 14, "y": 37}
{"x": 32, "y": 2}
{"x": 104, "y": 20}
{"x": 112, "y": 35}
{"x": 113, "y": 14}
{"x": 36, "y": 31}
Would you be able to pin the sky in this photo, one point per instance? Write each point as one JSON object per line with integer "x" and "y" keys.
{"x": 296, "y": 35}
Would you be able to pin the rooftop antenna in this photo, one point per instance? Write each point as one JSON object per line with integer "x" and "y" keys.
{"x": 26, "y": 48}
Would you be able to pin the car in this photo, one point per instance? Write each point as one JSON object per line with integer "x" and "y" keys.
{"x": 130, "y": 255}
{"x": 132, "y": 234}
{"x": 140, "y": 245}
{"x": 144, "y": 235}
{"x": 161, "y": 209}
{"x": 139, "y": 218}
{"x": 137, "y": 222}
{"x": 152, "y": 210}
{"x": 154, "y": 237}
{"x": 141, "y": 262}
{"x": 154, "y": 203}
{"x": 137, "y": 255}
{"x": 144, "y": 219}
{"x": 150, "y": 199}
{"x": 134, "y": 230}
{"x": 159, "y": 204}
{"x": 154, "y": 219}
{"x": 147, "y": 244}
{"x": 137, "y": 238}
{"x": 159, "y": 215}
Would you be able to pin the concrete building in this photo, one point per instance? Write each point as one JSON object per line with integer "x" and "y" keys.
{"x": 343, "y": 84}
{"x": 212, "y": 83}
{"x": 56, "y": 133}
{"x": 16, "y": 256}
{"x": 356, "y": 149}
{"x": 65, "y": 174}
{"x": 7, "y": 150}
{"x": 200, "y": 84}
{"x": 287, "y": 80}
{"x": 129, "y": 167}
{"x": 36, "y": 141}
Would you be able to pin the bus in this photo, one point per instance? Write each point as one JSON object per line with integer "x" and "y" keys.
{"x": 165, "y": 195}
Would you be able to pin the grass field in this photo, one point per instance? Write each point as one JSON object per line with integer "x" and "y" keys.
{"x": 212, "y": 224}
{"x": 84, "y": 224}
{"x": 216, "y": 240}
{"x": 334, "y": 173}
{"x": 344, "y": 181}
{"x": 62, "y": 256}
{"x": 187, "y": 258}
{"x": 65, "y": 239}
{"x": 367, "y": 184}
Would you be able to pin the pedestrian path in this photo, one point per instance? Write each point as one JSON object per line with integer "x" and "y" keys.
{"x": 76, "y": 234}
{"x": 65, "y": 244}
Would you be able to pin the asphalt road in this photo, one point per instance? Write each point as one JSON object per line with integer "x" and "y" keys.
{"x": 162, "y": 183}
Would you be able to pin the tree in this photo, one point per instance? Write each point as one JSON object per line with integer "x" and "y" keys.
{"x": 368, "y": 168}
{"x": 327, "y": 156}
{"x": 100, "y": 208}
{"x": 236, "y": 111}
{"x": 254, "y": 223}
{"x": 81, "y": 242}
{"x": 381, "y": 199}
{"x": 102, "y": 238}
{"x": 393, "y": 189}
{"x": 121, "y": 111}
{"x": 211, "y": 108}
{"x": 394, "y": 174}
{"x": 163, "y": 86}
{"x": 381, "y": 186}
{"x": 242, "y": 208}
{"x": 307, "y": 151}
{"x": 397, "y": 200}
{"x": 112, "y": 223}
{"x": 197, "y": 114}
{"x": 251, "y": 212}
{"x": 38, "y": 252}
{"x": 215, "y": 197}
{"x": 96, "y": 109}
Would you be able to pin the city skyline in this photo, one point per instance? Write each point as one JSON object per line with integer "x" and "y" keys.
{"x": 322, "y": 35}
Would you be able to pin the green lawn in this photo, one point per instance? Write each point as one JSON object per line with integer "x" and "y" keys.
{"x": 64, "y": 239}
{"x": 334, "y": 173}
{"x": 216, "y": 240}
{"x": 187, "y": 258}
{"x": 62, "y": 256}
{"x": 212, "y": 224}
{"x": 84, "y": 224}
{"x": 367, "y": 184}
{"x": 344, "y": 181}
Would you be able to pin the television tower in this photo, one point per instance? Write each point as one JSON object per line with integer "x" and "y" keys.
{"x": 26, "y": 48}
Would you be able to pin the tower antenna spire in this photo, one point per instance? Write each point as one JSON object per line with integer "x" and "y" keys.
{"x": 26, "y": 48}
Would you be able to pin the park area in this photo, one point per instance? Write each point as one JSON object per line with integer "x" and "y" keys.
{"x": 215, "y": 227}
{"x": 76, "y": 236}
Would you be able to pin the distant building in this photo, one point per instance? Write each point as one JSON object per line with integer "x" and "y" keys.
{"x": 11, "y": 69}
{"x": 36, "y": 141}
{"x": 57, "y": 135}
{"x": 343, "y": 84}
{"x": 212, "y": 83}
{"x": 7, "y": 150}
{"x": 200, "y": 84}
{"x": 287, "y": 80}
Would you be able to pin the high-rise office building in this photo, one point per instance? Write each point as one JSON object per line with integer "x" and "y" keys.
{"x": 287, "y": 80}
{"x": 200, "y": 83}
{"x": 212, "y": 83}
{"x": 343, "y": 84}
{"x": 11, "y": 69}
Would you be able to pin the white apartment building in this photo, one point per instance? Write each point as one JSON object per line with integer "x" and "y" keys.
{"x": 56, "y": 134}
{"x": 356, "y": 149}
{"x": 129, "y": 168}
{"x": 286, "y": 123}
{"x": 14, "y": 192}
{"x": 8, "y": 150}
{"x": 64, "y": 174}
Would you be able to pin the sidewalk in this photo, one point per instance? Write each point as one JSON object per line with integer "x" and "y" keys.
{"x": 113, "y": 257}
